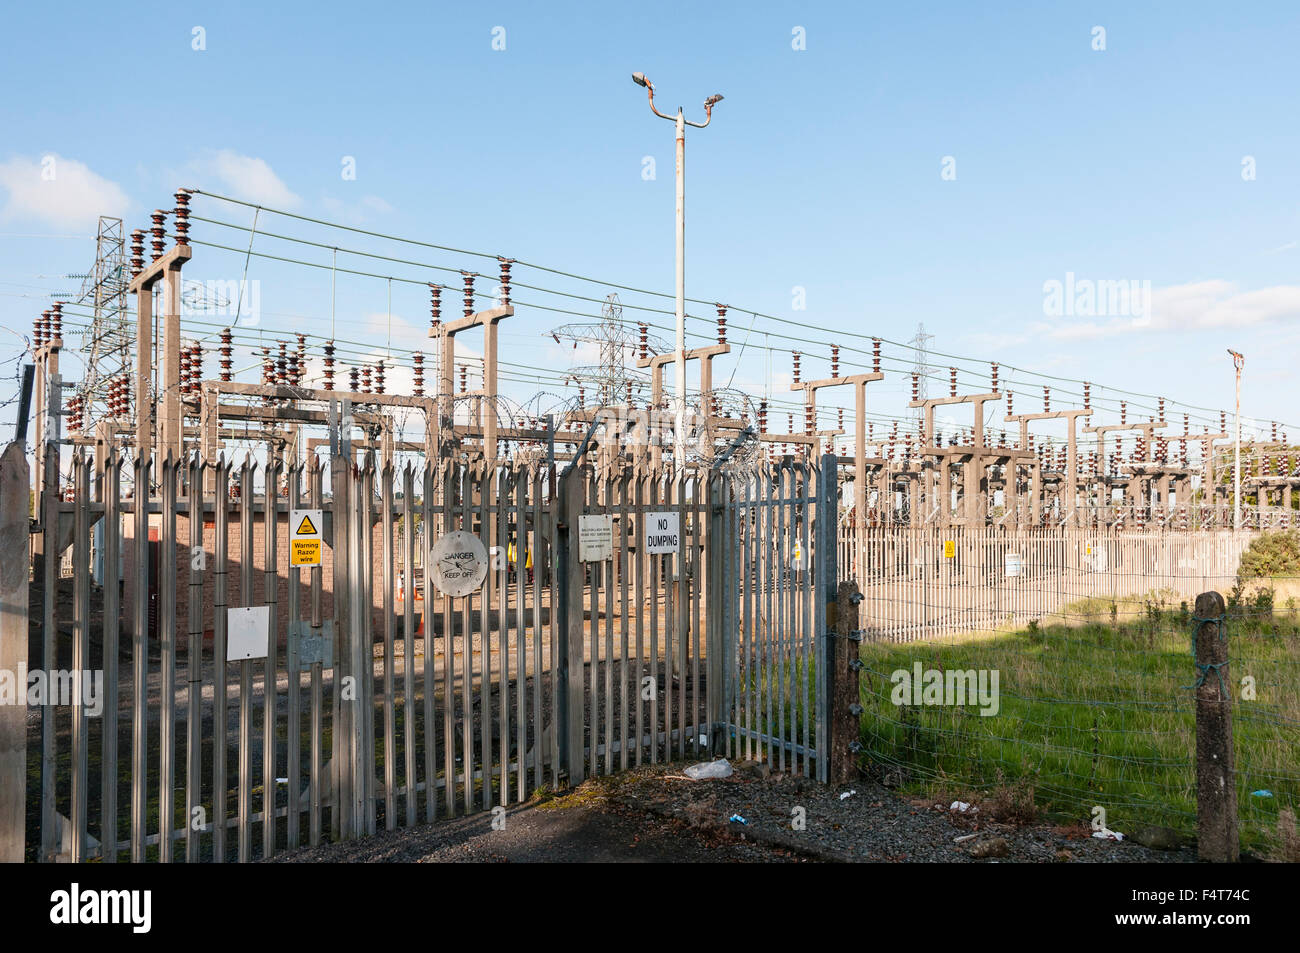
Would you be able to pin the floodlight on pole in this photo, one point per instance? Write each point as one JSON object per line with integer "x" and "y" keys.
{"x": 679, "y": 364}
{"x": 1238, "y": 362}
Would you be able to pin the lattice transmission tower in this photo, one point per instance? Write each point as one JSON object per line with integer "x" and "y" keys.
{"x": 109, "y": 345}
{"x": 614, "y": 380}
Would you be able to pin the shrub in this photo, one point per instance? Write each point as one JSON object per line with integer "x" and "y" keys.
{"x": 1272, "y": 554}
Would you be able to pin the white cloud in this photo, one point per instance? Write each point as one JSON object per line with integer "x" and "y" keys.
{"x": 1195, "y": 306}
{"x": 244, "y": 177}
{"x": 57, "y": 191}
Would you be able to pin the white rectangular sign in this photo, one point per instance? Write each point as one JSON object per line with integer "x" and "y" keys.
{"x": 663, "y": 533}
{"x": 1011, "y": 561}
{"x": 247, "y": 630}
{"x": 595, "y": 538}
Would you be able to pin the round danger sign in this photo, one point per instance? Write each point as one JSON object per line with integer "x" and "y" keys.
{"x": 458, "y": 563}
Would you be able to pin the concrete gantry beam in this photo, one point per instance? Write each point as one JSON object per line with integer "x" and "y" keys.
{"x": 656, "y": 364}
{"x": 977, "y": 455}
{"x": 1072, "y": 450}
{"x": 445, "y": 333}
{"x": 859, "y": 384}
{"x": 165, "y": 269}
{"x": 1148, "y": 428}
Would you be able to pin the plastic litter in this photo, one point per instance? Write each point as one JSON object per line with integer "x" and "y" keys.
{"x": 1262, "y": 792}
{"x": 962, "y": 807}
{"x": 847, "y": 794}
{"x": 1108, "y": 834}
{"x": 739, "y": 819}
{"x": 706, "y": 770}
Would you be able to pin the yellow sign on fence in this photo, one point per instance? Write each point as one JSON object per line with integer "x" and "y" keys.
{"x": 949, "y": 549}
{"x": 305, "y": 541}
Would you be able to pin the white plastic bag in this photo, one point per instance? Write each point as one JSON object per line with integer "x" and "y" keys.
{"x": 709, "y": 769}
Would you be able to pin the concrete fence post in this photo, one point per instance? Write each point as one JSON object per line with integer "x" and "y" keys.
{"x": 846, "y": 710}
{"x": 14, "y": 531}
{"x": 1216, "y": 782}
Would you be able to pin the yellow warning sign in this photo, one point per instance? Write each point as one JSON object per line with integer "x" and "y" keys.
{"x": 305, "y": 552}
{"x": 305, "y": 541}
{"x": 949, "y": 549}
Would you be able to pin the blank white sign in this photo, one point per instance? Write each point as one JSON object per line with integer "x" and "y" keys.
{"x": 247, "y": 630}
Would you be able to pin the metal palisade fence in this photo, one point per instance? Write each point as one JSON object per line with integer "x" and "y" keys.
{"x": 450, "y": 640}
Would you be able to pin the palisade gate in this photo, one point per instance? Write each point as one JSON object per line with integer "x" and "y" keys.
{"x": 470, "y": 634}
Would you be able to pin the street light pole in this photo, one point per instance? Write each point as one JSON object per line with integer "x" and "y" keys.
{"x": 1237, "y": 362}
{"x": 679, "y": 360}
{"x": 679, "y": 363}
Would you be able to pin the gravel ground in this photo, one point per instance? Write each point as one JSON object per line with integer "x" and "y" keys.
{"x": 658, "y": 815}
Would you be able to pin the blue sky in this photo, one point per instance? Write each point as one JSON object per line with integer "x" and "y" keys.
{"x": 822, "y": 169}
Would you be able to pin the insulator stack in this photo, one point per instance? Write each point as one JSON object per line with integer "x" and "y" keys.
{"x": 916, "y": 388}
{"x": 354, "y": 380}
{"x": 1123, "y": 412}
{"x": 469, "y": 292}
{"x": 268, "y": 367}
{"x": 762, "y": 416}
{"x": 300, "y": 360}
{"x": 875, "y": 355}
{"x": 435, "y": 308}
{"x": 645, "y": 341}
{"x": 1274, "y": 437}
{"x": 196, "y": 366}
{"x": 722, "y": 323}
{"x": 1223, "y": 421}
{"x": 840, "y": 423}
{"x": 158, "y": 232}
{"x": 464, "y": 378}
{"x": 137, "y": 252}
{"x": 1182, "y": 452}
{"x": 181, "y": 217}
{"x": 1010, "y": 403}
{"x": 227, "y": 352}
{"x": 809, "y": 419}
{"x": 1087, "y": 396}
{"x": 1047, "y": 399}
{"x": 185, "y": 370}
{"x": 56, "y": 323}
{"x": 282, "y": 364}
{"x": 365, "y": 378}
{"x": 995, "y": 377}
{"x": 952, "y": 381}
{"x": 713, "y": 405}
{"x": 505, "y": 279}
{"x": 379, "y": 378}
{"x": 1002, "y": 438}
{"x": 417, "y": 362}
{"x": 582, "y": 394}
{"x": 628, "y": 400}
{"x": 38, "y": 328}
{"x": 835, "y": 360}
{"x": 329, "y": 365}
{"x": 789, "y": 423}
{"x": 796, "y": 366}
{"x": 74, "y": 414}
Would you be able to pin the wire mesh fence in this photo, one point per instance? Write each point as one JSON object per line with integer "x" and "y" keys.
{"x": 1056, "y": 668}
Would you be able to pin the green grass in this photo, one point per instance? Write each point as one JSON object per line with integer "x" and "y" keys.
{"x": 1097, "y": 713}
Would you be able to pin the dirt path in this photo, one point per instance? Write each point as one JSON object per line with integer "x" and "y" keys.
{"x": 656, "y": 815}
